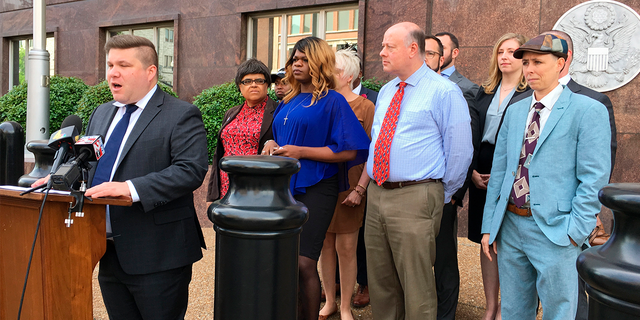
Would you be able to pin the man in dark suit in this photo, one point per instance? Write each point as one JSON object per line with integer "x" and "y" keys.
{"x": 159, "y": 150}
{"x": 446, "y": 264}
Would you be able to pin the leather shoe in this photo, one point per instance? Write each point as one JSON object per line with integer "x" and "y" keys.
{"x": 361, "y": 298}
{"x": 323, "y": 296}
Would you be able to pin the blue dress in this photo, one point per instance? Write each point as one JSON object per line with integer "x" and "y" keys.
{"x": 329, "y": 122}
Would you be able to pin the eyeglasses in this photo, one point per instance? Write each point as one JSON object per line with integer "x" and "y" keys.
{"x": 248, "y": 82}
{"x": 430, "y": 54}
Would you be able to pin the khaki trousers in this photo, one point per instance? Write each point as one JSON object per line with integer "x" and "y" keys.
{"x": 400, "y": 232}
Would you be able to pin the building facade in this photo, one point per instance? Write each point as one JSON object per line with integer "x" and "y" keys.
{"x": 201, "y": 42}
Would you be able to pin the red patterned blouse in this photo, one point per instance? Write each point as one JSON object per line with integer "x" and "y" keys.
{"x": 240, "y": 137}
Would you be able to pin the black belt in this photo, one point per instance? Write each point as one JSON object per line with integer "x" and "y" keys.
{"x": 401, "y": 184}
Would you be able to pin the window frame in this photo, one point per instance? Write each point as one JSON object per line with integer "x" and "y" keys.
{"x": 284, "y": 14}
{"x": 12, "y": 59}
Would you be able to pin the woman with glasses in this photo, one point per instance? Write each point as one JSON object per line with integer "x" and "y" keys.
{"x": 315, "y": 125}
{"x": 246, "y": 127}
{"x": 502, "y": 88}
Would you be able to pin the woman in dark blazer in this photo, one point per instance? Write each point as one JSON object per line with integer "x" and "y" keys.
{"x": 246, "y": 127}
{"x": 504, "y": 86}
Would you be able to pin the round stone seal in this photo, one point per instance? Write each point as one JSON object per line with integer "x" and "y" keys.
{"x": 606, "y": 43}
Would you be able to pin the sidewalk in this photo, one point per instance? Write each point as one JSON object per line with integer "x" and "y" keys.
{"x": 470, "y": 305}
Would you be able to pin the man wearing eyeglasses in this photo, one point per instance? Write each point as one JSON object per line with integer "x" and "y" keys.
{"x": 433, "y": 53}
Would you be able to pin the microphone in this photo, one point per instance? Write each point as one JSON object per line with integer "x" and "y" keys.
{"x": 87, "y": 148}
{"x": 64, "y": 139}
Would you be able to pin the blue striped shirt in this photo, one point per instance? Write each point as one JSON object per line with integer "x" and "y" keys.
{"x": 433, "y": 135}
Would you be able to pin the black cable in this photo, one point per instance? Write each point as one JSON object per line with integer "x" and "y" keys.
{"x": 33, "y": 246}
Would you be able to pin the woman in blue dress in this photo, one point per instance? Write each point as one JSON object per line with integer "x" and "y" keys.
{"x": 317, "y": 126}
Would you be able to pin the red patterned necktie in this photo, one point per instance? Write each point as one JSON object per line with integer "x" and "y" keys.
{"x": 387, "y": 131}
{"x": 520, "y": 190}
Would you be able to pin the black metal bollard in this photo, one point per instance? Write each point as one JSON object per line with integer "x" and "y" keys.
{"x": 43, "y": 162}
{"x": 257, "y": 224}
{"x": 612, "y": 271}
{"x": 11, "y": 153}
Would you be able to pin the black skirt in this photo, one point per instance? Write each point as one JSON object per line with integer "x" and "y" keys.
{"x": 321, "y": 200}
{"x": 478, "y": 197}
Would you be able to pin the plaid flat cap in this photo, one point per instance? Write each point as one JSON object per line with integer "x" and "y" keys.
{"x": 544, "y": 43}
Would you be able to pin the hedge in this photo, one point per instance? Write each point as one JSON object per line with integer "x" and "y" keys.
{"x": 64, "y": 93}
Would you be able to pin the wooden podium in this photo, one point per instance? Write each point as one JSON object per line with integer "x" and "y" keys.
{"x": 59, "y": 285}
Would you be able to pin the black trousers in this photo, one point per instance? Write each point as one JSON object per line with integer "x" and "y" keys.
{"x": 155, "y": 296}
{"x": 446, "y": 264}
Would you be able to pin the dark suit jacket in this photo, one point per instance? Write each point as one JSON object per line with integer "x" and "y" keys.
{"x": 602, "y": 98}
{"x": 213, "y": 191}
{"x": 478, "y": 114}
{"x": 469, "y": 90}
{"x": 370, "y": 94}
{"x": 165, "y": 157}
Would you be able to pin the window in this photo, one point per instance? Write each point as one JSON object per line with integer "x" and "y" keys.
{"x": 19, "y": 56}
{"x": 338, "y": 25}
{"x": 162, "y": 38}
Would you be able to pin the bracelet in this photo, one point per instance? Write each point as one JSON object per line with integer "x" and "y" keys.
{"x": 265, "y": 143}
{"x": 363, "y": 187}
{"x": 358, "y": 192}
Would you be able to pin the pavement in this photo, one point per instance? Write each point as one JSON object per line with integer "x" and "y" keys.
{"x": 470, "y": 304}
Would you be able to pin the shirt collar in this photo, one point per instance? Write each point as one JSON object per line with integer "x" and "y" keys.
{"x": 550, "y": 99}
{"x": 415, "y": 77}
{"x": 357, "y": 89}
{"x": 565, "y": 80}
{"x": 448, "y": 71}
{"x": 143, "y": 102}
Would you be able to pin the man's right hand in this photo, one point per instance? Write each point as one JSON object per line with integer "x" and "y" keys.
{"x": 41, "y": 181}
{"x": 486, "y": 245}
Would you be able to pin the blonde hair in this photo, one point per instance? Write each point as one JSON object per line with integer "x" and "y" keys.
{"x": 495, "y": 75}
{"x": 321, "y": 68}
{"x": 349, "y": 62}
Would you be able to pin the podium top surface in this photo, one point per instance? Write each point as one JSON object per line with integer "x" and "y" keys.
{"x": 60, "y": 196}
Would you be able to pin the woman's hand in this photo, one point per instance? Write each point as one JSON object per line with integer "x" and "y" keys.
{"x": 290, "y": 151}
{"x": 486, "y": 246}
{"x": 269, "y": 147}
{"x": 353, "y": 199}
{"x": 480, "y": 180}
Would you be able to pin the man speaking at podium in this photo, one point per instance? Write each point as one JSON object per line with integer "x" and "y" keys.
{"x": 156, "y": 153}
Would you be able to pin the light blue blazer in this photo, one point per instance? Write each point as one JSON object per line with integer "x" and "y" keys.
{"x": 570, "y": 164}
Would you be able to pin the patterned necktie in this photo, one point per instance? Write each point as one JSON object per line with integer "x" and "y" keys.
{"x": 105, "y": 165}
{"x": 387, "y": 131}
{"x": 520, "y": 190}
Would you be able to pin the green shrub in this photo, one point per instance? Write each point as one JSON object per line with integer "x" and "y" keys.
{"x": 64, "y": 93}
{"x": 373, "y": 84}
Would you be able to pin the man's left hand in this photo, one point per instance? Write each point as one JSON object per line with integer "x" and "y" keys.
{"x": 109, "y": 189}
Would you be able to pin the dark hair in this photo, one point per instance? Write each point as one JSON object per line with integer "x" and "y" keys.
{"x": 453, "y": 38}
{"x": 146, "y": 50}
{"x": 252, "y": 66}
{"x": 418, "y": 36}
{"x": 440, "y": 47}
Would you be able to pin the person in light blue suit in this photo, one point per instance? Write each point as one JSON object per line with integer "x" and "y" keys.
{"x": 541, "y": 208}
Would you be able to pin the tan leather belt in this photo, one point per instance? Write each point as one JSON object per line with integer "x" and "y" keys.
{"x": 525, "y": 212}
{"x": 395, "y": 185}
